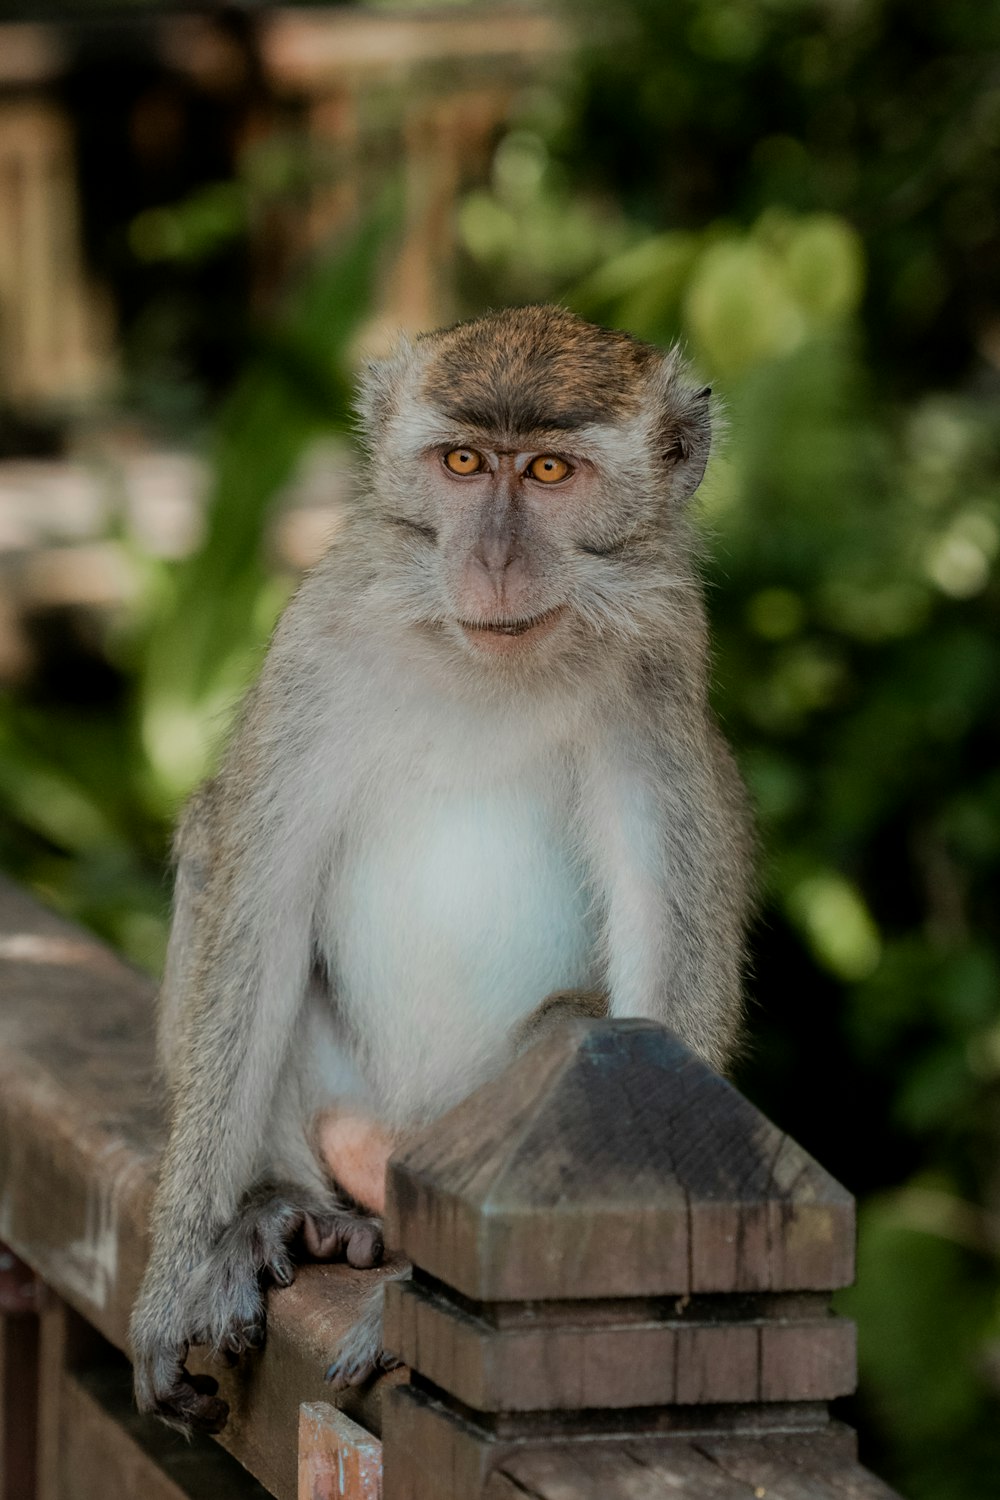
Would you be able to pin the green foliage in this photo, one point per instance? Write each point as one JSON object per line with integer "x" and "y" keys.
{"x": 196, "y": 657}
{"x": 90, "y": 795}
{"x": 805, "y": 196}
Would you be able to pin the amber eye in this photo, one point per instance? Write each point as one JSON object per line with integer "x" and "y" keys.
{"x": 548, "y": 469}
{"x": 464, "y": 461}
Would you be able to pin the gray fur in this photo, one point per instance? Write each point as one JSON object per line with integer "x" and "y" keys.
{"x": 408, "y": 769}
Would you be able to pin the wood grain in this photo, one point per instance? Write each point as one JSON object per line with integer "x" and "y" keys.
{"x": 610, "y": 1161}
{"x": 597, "y": 1357}
{"x": 780, "y": 1469}
{"x": 338, "y": 1460}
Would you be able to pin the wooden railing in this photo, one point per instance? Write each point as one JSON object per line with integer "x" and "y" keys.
{"x": 622, "y": 1273}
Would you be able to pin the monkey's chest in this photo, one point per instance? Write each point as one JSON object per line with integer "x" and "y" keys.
{"x": 453, "y": 916}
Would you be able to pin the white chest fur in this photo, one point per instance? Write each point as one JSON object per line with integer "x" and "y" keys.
{"x": 459, "y": 904}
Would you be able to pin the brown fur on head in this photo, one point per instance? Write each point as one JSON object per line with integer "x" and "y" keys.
{"x": 501, "y": 566}
{"x": 532, "y": 369}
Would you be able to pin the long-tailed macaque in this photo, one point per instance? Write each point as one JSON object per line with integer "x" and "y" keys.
{"x": 477, "y": 785}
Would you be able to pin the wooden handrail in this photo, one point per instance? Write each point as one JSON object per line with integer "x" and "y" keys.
{"x": 620, "y": 1289}
{"x": 80, "y": 1133}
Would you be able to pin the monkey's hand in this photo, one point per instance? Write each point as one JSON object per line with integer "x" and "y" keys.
{"x": 162, "y": 1331}
{"x": 355, "y": 1150}
{"x": 221, "y": 1303}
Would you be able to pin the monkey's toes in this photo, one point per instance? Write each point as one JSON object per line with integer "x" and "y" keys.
{"x": 356, "y": 1366}
{"x": 342, "y": 1374}
{"x": 240, "y": 1337}
{"x": 192, "y": 1404}
{"x": 343, "y": 1235}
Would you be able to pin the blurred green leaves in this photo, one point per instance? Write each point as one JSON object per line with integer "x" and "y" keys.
{"x": 805, "y": 196}
{"x": 90, "y": 796}
{"x": 197, "y": 656}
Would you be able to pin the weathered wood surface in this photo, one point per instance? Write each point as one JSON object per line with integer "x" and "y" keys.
{"x": 80, "y": 1131}
{"x": 611, "y": 1162}
{"x": 620, "y": 1289}
{"x": 338, "y": 1460}
{"x": 652, "y": 1352}
{"x": 776, "y": 1468}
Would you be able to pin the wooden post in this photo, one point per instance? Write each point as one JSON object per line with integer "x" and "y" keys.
{"x": 338, "y": 1460}
{"x": 18, "y": 1377}
{"x": 612, "y": 1245}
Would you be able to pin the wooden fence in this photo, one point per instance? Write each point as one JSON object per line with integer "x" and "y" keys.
{"x": 621, "y": 1285}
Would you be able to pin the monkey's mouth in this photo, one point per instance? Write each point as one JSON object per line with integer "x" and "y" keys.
{"x": 501, "y": 635}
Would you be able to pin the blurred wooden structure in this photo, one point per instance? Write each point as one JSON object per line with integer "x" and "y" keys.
{"x": 620, "y": 1291}
{"x": 55, "y": 323}
{"x": 367, "y": 93}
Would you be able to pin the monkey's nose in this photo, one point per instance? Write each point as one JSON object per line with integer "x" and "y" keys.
{"x": 495, "y": 554}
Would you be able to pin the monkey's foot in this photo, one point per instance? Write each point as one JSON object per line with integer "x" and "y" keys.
{"x": 339, "y": 1234}
{"x": 256, "y": 1250}
{"x": 221, "y": 1304}
{"x": 360, "y": 1354}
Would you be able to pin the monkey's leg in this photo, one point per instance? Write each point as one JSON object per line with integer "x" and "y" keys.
{"x": 205, "y": 1281}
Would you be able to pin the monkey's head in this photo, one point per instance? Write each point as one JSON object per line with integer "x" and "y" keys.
{"x": 530, "y": 472}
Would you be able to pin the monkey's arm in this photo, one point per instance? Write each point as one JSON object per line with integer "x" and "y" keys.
{"x": 674, "y": 844}
{"x": 232, "y": 1003}
{"x": 232, "y": 1013}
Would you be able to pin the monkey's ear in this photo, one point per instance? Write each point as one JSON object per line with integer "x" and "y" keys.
{"x": 683, "y": 430}
{"x": 379, "y": 385}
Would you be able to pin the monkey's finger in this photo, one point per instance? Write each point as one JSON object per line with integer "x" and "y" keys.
{"x": 186, "y": 1406}
{"x": 364, "y": 1245}
{"x": 240, "y": 1337}
{"x": 321, "y": 1237}
{"x": 333, "y": 1236}
{"x": 254, "y": 1335}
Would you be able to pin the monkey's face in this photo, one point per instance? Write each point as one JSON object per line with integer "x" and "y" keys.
{"x": 528, "y": 470}
{"x": 506, "y": 522}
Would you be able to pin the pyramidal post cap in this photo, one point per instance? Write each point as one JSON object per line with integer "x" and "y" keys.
{"x": 611, "y": 1161}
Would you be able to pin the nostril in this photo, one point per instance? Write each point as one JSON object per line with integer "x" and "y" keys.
{"x": 496, "y": 554}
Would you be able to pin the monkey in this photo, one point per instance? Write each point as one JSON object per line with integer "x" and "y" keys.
{"x": 477, "y": 787}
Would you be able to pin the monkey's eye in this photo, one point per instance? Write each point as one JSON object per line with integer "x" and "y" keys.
{"x": 463, "y": 461}
{"x": 548, "y": 469}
